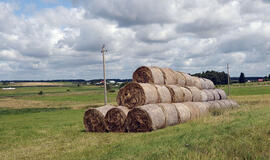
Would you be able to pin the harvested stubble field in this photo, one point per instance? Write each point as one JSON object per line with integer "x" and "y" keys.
{"x": 50, "y": 126}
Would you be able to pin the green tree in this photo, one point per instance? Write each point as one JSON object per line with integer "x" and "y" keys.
{"x": 216, "y": 77}
{"x": 242, "y": 78}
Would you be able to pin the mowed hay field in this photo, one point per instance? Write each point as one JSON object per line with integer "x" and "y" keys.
{"x": 50, "y": 126}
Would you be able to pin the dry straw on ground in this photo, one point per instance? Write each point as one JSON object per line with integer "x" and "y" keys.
{"x": 94, "y": 119}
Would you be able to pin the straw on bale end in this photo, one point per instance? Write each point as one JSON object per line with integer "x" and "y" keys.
{"x": 115, "y": 119}
{"x": 94, "y": 119}
{"x": 145, "y": 118}
{"x": 148, "y": 75}
{"x": 137, "y": 94}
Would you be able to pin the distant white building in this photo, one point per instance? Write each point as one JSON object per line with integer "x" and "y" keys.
{"x": 112, "y": 82}
{"x": 8, "y": 88}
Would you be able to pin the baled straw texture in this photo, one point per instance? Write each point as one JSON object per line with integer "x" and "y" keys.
{"x": 196, "y": 94}
{"x": 94, "y": 119}
{"x": 183, "y": 112}
{"x": 234, "y": 103}
{"x": 171, "y": 114}
{"x": 210, "y": 84}
{"x": 137, "y": 94}
{"x": 202, "y": 107}
{"x": 170, "y": 76}
{"x": 177, "y": 94}
{"x": 189, "y": 79}
{"x": 227, "y": 103}
{"x": 194, "y": 110}
{"x": 204, "y": 83}
{"x": 204, "y": 97}
{"x": 187, "y": 94}
{"x": 149, "y": 75}
{"x": 145, "y": 118}
{"x": 214, "y": 105}
{"x": 221, "y": 93}
{"x": 215, "y": 93}
{"x": 210, "y": 95}
{"x": 115, "y": 119}
{"x": 164, "y": 94}
{"x": 222, "y": 104}
{"x": 197, "y": 82}
{"x": 181, "y": 80}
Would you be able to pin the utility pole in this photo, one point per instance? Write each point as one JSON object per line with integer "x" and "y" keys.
{"x": 103, "y": 50}
{"x": 228, "y": 79}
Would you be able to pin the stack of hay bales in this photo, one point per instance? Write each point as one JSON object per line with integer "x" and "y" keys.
{"x": 157, "y": 97}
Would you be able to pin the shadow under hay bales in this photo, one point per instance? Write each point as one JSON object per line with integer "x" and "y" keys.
{"x": 30, "y": 110}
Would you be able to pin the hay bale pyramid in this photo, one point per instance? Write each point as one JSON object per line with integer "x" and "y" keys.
{"x": 156, "y": 98}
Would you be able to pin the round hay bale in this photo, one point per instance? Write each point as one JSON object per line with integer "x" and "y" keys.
{"x": 181, "y": 80}
{"x": 194, "y": 110}
{"x": 202, "y": 107}
{"x": 227, "y": 103}
{"x": 183, "y": 112}
{"x": 215, "y": 93}
{"x": 115, "y": 119}
{"x": 94, "y": 119}
{"x": 196, "y": 94}
{"x": 204, "y": 97}
{"x": 145, "y": 118}
{"x": 211, "y": 84}
{"x": 222, "y": 104}
{"x": 170, "y": 76}
{"x": 210, "y": 95}
{"x": 189, "y": 80}
{"x": 137, "y": 94}
{"x": 164, "y": 94}
{"x": 197, "y": 82}
{"x": 221, "y": 93}
{"x": 214, "y": 105}
{"x": 187, "y": 94}
{"x": 234, "y": 103}
{"x": 149, "y": 75}
{"x": 207, "y": 105}
{"x": 177, "y": 94}
{"x": 204, "y": 83}
{"x": 171, "y": 114}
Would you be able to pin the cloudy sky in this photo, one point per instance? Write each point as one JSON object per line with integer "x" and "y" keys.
{"x": 61, "y": 39}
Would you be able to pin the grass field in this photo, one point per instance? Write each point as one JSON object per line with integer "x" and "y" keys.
{"x": 49, "y": 126}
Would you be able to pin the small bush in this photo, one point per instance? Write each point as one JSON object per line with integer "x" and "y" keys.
{"x": 111, "y": 90}
{"x": 40, "y": 92}
{"x": 68, "y": 90}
